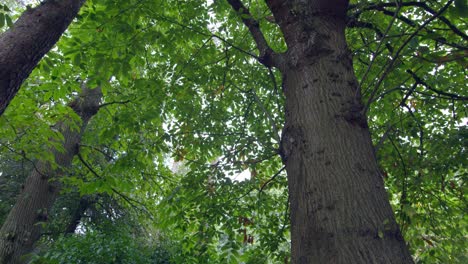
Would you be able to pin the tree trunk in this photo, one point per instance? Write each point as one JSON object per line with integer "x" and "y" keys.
{"x": 30, "y": 38}
{"x": 22, "y": 228}
{"x": 340, "y": 211}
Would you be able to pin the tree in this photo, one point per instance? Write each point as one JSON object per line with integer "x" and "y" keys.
{"x": 209, "y": 103}
{"x": 22, "y": 227}
{"x": 26, "y": 42}
{"x": 333, "y": 176}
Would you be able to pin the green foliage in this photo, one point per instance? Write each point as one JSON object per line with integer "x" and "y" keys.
{"x": 186, "y": 108}
{"x": 5, "y": 17}
{"x": 419, "y": 123}
{"x": 100, "y": 248}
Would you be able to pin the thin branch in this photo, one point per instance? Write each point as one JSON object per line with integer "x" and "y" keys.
{"x": 421, "y": 4}
{"x": 397, "y": 54}
{"x": 403, "y": 104}
{"x": 256, "y": 161}
{"x": 129, "y": 200}
{"x": 451, "y": 95}
{"x": 421, "y": 130}
{"x": 109, "y": 157}
{"x": 404, "y": 183}
{"x": 23, "y": 155}
{"x": 276, "y": 90}
{"x": 88, "y": 166}
{"x": 270, "y": 118}
{"x": 132, "y": 202}
{"x": 453, "y": 56}
{"x": 382, "y": 40}
{"x": 271, "y": 179}
{"x": 115, "y": 102}
{"x": 396, "y": 15}
{"x": 236, "y": 47}
{"x": 353, "y": 23}
{"x": 419, "y": 92}
{"x": 383, "y": 138}
{"x": 396, "y": 88}
{"x": 408, "y": 94}
{"x": 206, "y": 34}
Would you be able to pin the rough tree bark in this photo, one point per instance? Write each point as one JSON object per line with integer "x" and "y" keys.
{"x": 29, "y": 39}
{"x": 22, "y": 228}
{"x": 340, "y": 211}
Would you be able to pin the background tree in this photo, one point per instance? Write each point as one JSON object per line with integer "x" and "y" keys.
{"x": 22, "y": 228}
{"x": 29, "y": 38}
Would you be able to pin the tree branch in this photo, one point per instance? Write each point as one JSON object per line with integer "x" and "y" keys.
{"x": 382, "y": 40}
{"x": 422, "y": 4}
{"x": 115, "y": 102}
{"x": 271, "y": 179}
{"x": 397, "y": 54}
{"x": 129, "y": 200}
{"x": 267, "y": 56}
{"x": 268, "y": 115}
{"x": 439, "y": 92}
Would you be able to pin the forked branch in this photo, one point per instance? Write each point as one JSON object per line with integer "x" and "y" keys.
{"x": 267, "y": 56}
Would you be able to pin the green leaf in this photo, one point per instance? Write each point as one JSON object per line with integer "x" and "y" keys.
{"x": 8, "y": 21}
{"x": 2, "y": 20}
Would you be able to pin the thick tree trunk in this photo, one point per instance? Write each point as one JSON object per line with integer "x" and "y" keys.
{"x": 340, "y": 211}
{"x": 30, "y": 38}
{"x": 22, "y": 228}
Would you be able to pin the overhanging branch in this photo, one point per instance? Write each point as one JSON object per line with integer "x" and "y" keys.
{"x": 397, "y": 54}
{"x": 439, "y": 92}
{"x": 420, "y": 4}
{"x": 267, "y": 56}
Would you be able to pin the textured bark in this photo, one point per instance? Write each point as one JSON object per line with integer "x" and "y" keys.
{"x": 22, "y": 228}
{"x": 30, "y": 38}
{"x": 340, "y": 211}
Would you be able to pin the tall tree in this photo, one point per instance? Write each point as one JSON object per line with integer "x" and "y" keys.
{"x": 28, "y": 40}
{"x": 22, "y": 227}
{"x": 205, "y": 102}
{"x": 340, "y": 212}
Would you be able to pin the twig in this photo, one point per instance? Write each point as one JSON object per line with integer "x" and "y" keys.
{"x": 382, "y": 40}
{"x": 404, "y": 183}
{"x": 269, "y": 117}
{"x": 271, "y": 179}
{"x": 397, "y": 54}
{"x": 126, "y": 198}
{"x": 115, "y": 102}
{"x": 109, "y": 157}
{"x": 421, "y": 4}
{"x": 420, "y": 81}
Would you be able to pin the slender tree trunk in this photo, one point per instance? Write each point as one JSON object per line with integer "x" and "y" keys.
{"x": 30, "y": 38}
{"x": 340, "y": 212}
{"x": 22, "y": 228}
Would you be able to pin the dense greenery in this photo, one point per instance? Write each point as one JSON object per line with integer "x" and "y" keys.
{"x": 186, "y": 109}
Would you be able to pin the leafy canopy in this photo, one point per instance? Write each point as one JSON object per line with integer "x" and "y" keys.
{"x": 186, "y": 108}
